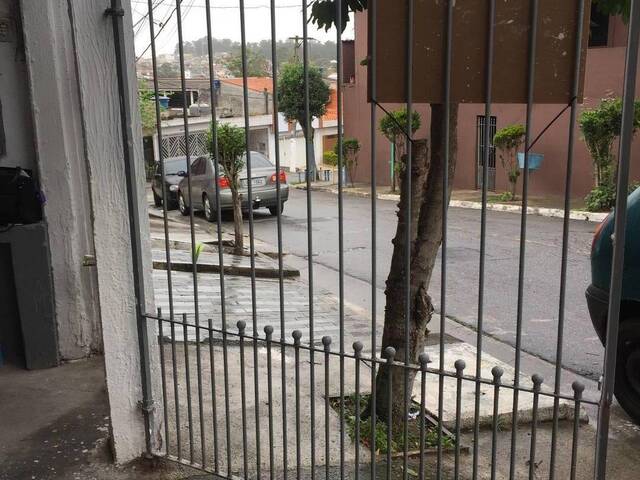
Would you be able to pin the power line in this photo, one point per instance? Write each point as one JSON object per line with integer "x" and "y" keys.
{"x": 164, "y": 24}
{"x": 231, "y": 7}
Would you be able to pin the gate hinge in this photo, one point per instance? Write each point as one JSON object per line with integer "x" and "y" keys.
{"x": 147, "y": 407}
{"x": 114, "y": 12}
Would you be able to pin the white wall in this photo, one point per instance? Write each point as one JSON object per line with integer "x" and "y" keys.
{"x": 71, "y": 52}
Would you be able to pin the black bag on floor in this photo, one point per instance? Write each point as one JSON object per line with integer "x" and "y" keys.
{"x": 20, "y": 200}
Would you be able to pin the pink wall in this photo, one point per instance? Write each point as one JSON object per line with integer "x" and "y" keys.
{"x": 604, "y": 72}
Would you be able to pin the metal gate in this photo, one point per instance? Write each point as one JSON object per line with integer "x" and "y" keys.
{"x": 258, "y": 401}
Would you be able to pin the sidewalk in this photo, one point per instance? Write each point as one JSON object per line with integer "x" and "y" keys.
{"x": 543, "y": 206}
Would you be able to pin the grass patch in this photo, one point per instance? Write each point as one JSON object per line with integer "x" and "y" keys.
{"x": 397, "y": 428}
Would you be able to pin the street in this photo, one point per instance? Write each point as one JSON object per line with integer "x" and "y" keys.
{"x": 582, "y": 349}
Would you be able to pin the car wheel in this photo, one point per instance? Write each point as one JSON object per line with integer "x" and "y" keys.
{"x": 274, "y": 210}
{"x": 157, "y": 201}
{"x": 182, "y": 206}
{"x": 209, "y": 213}
{"x": 627, "y": 387}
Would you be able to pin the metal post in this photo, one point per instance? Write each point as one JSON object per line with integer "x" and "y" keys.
{"x": 122, "y": 71}
{"x": 617, "y": 264}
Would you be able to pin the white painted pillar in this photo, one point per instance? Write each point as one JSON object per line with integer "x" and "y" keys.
{"x": 85, "y": 35}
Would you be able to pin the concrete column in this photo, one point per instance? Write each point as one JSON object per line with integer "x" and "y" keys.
{"x": 79, "y": 38}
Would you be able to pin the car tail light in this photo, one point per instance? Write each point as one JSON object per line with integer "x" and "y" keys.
{"x": 223, "y": 182}
{"x": 598, "y": 232}
{"x": 283, "y": 177}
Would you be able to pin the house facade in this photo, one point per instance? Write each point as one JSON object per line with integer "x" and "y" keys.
{"x": 605, "y": 61}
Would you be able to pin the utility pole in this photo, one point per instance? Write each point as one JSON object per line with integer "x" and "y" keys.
{"x": 297, "y": 44}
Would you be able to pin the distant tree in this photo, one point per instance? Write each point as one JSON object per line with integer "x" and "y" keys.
{"x": 393, "y": 127}
{"x": 350, "y": 150}
{"x": 147, "y": 107}
{"x": 257, "y": 64}
{"x": 230, "y": 156}
{"x": 507, "y": 140}
{"x": 614, "y": 7}
{"x": 168, "y": 70}
{"x": 291, "y": 100}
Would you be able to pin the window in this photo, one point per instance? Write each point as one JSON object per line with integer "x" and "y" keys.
{"x": 198, "y": 167}
{"x": 258, "y": 160}
{"x": 598, "y": 28}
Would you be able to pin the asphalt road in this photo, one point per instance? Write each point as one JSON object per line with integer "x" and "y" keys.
{"x": 582, "y": 350}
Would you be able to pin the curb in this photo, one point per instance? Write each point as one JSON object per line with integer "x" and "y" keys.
{"x": 260, "y": 272}
{"x": 496, "y": 207}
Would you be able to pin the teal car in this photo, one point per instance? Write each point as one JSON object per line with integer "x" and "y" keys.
{"x": 627, "y": 382}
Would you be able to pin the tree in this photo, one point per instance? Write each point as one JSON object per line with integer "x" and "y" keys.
{"x": 350, "y": 150}
{"x": 426, "y": 235}
{"x": 614, "y": 7}
{"x": 600, "y": 127}
{"x": 427, "y": 205}
{"x": 291, "y": 101}
{"x": 168, "y": 70}
{"x": 257, "y": 64}
{"x": 507, "y": 140}
{"x": 147, "y": 105}
{"x": 394, "y": 128}
{"x": 230, "y": 156}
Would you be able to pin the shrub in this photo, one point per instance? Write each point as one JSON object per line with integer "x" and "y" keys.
{"x": 507, "y": 140}
{"x": 330, "y": 158}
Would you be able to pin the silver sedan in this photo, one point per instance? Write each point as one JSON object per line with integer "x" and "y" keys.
{"x": 203, "y": 187}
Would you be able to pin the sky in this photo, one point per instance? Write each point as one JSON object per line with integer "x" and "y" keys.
{"x": 225, "y": 16}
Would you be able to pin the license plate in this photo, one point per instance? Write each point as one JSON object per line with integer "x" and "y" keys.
{"x": 256, "y": 182}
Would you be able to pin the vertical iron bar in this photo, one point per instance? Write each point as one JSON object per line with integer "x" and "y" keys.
{"x": 407, "y": 234}
{"x": 268, "y": 330}
{"x": 617, "y": 264}
{"x": 537, "y": 382}
{"x": 565, "y": 235}
{"x": 578, "y": 388}
{"x": 276, "y": 133}
{"x": 390, "y": 353}
{"x": 424, "y": 363}
{"x": 185, "y": 341}
{"x": 297, "y": 334}
{"x": 200, "y": 398}
{"x": 308, "y": 135}
{"x": 533, "y": 36}
{"x": 216, "y": 169}
{"x": 252, "y": 260}
{"x": 445, "y": 205}
{"x": 357, "y": 348}
{"x": 483, "y": 226}
{"x": 187, "y": 150}
{"x": 326, "y": 341}
{"x": 214, "y": 403}
{"x": 373, "y": 132}
{"x": 242, "y": 325}
{"x": 156, "y": 93}
{"x": 128, "y": 155}
{"x": 497, "y": 373}
{"x": 460, "y": 365}
{"x": 176, "y": 395}
{"x": 164, "y": 381}
{"x": 340, "y": 229}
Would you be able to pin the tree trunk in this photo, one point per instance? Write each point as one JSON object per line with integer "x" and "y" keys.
{"x": 237, "y": 221}
{"x": 425, "y": 239}
{"x": 311, "y": 154}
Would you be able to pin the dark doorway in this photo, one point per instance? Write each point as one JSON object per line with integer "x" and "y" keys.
{"x": 11, "y": 341}
{"x": 480, "y": 152}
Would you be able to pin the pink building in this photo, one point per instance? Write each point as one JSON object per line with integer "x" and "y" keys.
{"x": 603, "y": 78}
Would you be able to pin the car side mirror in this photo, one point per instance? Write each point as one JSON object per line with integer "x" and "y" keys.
{"x": 182, "y": 173}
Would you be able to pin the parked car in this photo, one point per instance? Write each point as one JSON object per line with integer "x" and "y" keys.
{"x": 203, "y": 187}
{"x": 175, "y": 169}
{"x": 627, "y": 380}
